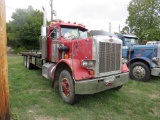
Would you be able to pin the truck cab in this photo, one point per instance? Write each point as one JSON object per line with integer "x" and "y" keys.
{"x": 143, "y": 60}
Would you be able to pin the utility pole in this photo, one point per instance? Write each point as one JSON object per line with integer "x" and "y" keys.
{"x": 51, "y": 4}
{"x": 110, "y": 27}
{"x": 119, "y": 28}
{"x": 4, "y": 90}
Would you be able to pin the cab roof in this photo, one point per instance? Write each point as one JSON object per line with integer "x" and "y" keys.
{"x": 60, "y": 23}
{"x": 130, "y": 35}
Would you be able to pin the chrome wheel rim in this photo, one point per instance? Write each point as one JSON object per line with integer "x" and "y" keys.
{"x": 139, "y": 72}
{"x": 65, "y": 88}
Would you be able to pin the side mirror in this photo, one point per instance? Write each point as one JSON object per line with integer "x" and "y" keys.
{"x": 54, "y": 33}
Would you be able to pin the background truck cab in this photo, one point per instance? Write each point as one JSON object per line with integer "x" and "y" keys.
{"x": 143, "y": 60}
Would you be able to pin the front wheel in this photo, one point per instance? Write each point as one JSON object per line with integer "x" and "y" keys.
{"x": 66, "y": 87}
{"x": 140, "y": 71}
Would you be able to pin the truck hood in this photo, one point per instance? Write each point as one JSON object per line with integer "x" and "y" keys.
{"x": 144, "y": 47}
{"x": 146, "y": 51}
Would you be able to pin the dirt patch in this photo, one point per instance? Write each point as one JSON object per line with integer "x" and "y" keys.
{"x": 48, "y": 118}
{"x": 134, "y": 91}
{"x": 154, "y": 96}
{"x": 155, "y": 111}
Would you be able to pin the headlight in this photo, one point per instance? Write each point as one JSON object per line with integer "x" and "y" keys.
{"x": 88, "y": 63}
{"x": 84, "y": 63}
{"x": 124, "y": 60}
{"x": 125, "y": 47}
{"x": 91, "y": 63}
{"x": 156, "y": 59}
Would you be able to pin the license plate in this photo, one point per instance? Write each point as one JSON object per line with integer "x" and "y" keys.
{"x": 109, "y": 79}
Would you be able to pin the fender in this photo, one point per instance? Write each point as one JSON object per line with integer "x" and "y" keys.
{"x": 78, "y": 72}
{"x": 147, "y": 60}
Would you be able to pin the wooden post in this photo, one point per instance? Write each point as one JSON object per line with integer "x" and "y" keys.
{"x": 4, "y": 90}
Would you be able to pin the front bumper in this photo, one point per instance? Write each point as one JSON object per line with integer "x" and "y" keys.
{"x": 92, "y": 86}
{"x": 155, "y": 71}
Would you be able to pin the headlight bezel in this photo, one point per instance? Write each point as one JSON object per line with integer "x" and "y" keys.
{"x": 156, "y": 59}
{"x": 88, "y": 63}
{"x": 124, "y": 60}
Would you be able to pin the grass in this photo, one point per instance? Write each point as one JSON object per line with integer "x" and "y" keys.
{"x": 32, "y": 98}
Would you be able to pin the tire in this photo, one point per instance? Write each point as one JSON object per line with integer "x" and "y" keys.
{"x": 140, "y": 71}
{"x": 117, "y": 88}
{"x": 66, "y": 88}
{"x": 29, "y": 65}
{"x": 25, "y": 61}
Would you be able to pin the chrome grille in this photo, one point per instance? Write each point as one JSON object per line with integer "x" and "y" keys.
{"x": 109, "y": 57}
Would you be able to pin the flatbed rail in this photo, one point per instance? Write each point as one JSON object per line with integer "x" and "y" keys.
{"x": 31, "y": 53}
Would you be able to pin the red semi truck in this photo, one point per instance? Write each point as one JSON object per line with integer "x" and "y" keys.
{"x": 78, "y": 63}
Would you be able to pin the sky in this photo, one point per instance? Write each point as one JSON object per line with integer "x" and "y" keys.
{"x": 94, "y": 14}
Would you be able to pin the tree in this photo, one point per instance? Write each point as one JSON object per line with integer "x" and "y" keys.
{"x": 24, "y": 30}
{"x": 144, "y": 18}
{"x": 125, "y": 29}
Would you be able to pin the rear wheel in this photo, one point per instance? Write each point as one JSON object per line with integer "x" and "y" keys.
{"x": 140, "y": 71}
{"x": 66, "y": 87}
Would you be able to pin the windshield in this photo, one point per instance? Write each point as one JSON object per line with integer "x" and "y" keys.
{"x": 70, "y": 33}
{"x": 65, "y": 32}
{"x": 131, "y": 41}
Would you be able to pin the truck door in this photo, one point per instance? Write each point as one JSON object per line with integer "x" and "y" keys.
{"x": 55, "y": 44}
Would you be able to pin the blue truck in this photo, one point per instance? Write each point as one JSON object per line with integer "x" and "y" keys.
{"x": 143, "y": 60}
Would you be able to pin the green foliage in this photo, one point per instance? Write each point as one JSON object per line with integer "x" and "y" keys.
{"x": 24, "y": 30}
{"x": 144, "y": 18}
{"x": 125, "y": 29}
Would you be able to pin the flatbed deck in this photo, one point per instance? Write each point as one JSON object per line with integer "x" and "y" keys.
{"x": 34, "y": 54}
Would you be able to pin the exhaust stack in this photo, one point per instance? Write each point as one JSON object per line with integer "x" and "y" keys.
{"x": 43, "y": 28}
{"x": 44, "y": 16}
{"x": 43, "y": 38}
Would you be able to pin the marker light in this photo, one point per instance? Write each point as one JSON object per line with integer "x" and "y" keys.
{"x": 66, "y": 56}
{"x": 91, "y": 72}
